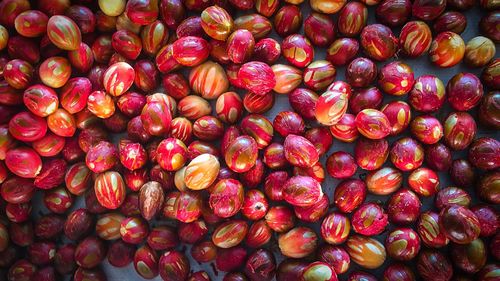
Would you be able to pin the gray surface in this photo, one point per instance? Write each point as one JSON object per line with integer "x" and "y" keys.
{"x": 420, "y": 66}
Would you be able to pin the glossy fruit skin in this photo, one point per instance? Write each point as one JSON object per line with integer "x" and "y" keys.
{"x": 428, "y": 94}
{"x": 52, "y": 174}
{"x": 489, "y": 76}
{"x": 257, "y": 77}
{"x": 384, "y": 181}
{"x": 229, "y": 107}
{"x": 303, "y": 101}
{"x": 127, "y": 44}
{"x": 424, "y": 181}
{"x": 447, "y": 49}
{"x": 483, "y": 153}
{"x": 452, "y": 196}
{"x": 290, "y": 269}
{"x": 396, "y": 78}
{"x": 372, "y": 124}
{"x": 204, "y": 164}
{"x": 320, "y": 29}
{"x": 64, "y": 33}
{"x": 402, "y": 244}
{"x": 31, "y": 23}
{"x": 342, "y": 51}
{"x": 230, "y": 233}
{"x": 241, "y": 154}
{"x": 369, "y": 219}
{"x": 352, "y": 19}
{"x": 90, "y": 252}
{"x": 459, "y": 224}
{"x": 110, "y": 189}
{"x": 273, "y": 185}
{"x": 361, "y": 72}
{"x": 488, "y": 219}
{"x": 429, "y": 230}
{"x": 240, "y": 46}
{"x": 319, "y": 270}
{"x": 208, "y": 79}
{"x": 193, "y": 107}
{"x": 287, "y": 20}
{"x": 479, "y": 51}
{"x": 101, "y": 157}
{"x": 365, "y": 251}
{"x": 258, "y": 25}
{"x": 288, "y": 122}
{"x": 216, "y": 22}
{"x": 190, "y": 50}
{"x": 459, "y": 130}
{"x": 431, "y": 264}
{"x": 118, "y": 78}
{"x": 464, "y": 91}
{"x": 258, "y": 104}
{"x": 407, "y": 154}
{"x": 230, "y": 259}
{"x": 171, "y": 154}
{"x": 134, "y": 230}
{"x": 438, "y": 157}
{"x": 331, "y": 107}
{"x": 260, "y": 265}
{"x": 399, "y": 115}
{"x": 341, "y": 165}
{"x": 349, "y": 194}
{"x": 393, "y": 12}
{"x": 146, "y": 262}
{"x": 345, "y": 130}
{"x": 258, "y": 127}
{"x": 302, "y": 191}
{"x": 378, "y": 42}
{"x": 426, "y": 129}
{"x": 335, "y": 228}
{"x": 327, "y": 7}
{"x": 226, "y": 197}
{"x": 165, "y": 61}
{"x": 75, "y": 93}
{"x": 300, "y": 152}
{"x": 16, "y": 190}
{"x": 450, "y": 21}
{"x": 428, "y": 10}
{"x": 255, "y": 205}
{"x": 173, "y": 266}
{"x": 297, "y": 50}
{"x": 471, "y": 257}
{"x": 287, "y": 77}
{"x": 415, "y": 38}
{"x": 267, "y": 50}
{"x": 40, "y": 100}
{"x": 156, "y": 117}
{"x": 371, "y": 154}
{"x": 398, "y": 271}
{"x": 23, "y": 162}
{"x": 280, "y": 219}
{"x": 403, "y": 207}
{"x": 153, "y": 37}
{"x": 298, "y": 242}
{"x": 462, "y": 173}
{"x": 82, "y": 58}
{"x": 18, "y": 74}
